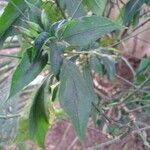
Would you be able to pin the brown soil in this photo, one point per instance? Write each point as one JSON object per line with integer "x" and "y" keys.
{"x": 62, "y": 137}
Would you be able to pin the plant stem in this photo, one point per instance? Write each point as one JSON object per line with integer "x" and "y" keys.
{"x": 11, "y": 56}
{"x": 136, "y": 90}
{"x": 9, "y": 116}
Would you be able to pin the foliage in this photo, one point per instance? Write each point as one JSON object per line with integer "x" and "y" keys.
{"x": 71, "y": 44}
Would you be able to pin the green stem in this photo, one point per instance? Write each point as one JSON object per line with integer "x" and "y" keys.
{"x": 11, "y": 56}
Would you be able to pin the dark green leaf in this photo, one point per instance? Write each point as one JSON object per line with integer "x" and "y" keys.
{"x": 109, "y": 66}
{"x": 136, "y": 18}
{"x": 34, "y": 10}
{"x": 74, "y": 97}
{"x": 56, "y": 58}
{"x": 144, "y": 64}
{"x": 39, "y": 114}
{"x": 96, "y": 65}
{"x": 72, "y": 7}
{"x": 39, "y": 42}
{"x": 89, "y": 81}
{"x": 131, "y": 8}
{"x": 97, "y": 6}
{"x": 27, "y": 71}
{"x": 85, "y": 30}
{"x": 147, "y": 2}
{"x": 101, "y": 123}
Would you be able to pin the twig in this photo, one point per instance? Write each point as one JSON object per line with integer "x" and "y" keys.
{"x": 73, "y": 142}
{"x": 141, "y": 25}
{"x": 125, "y": 80}
{"x": 117, "y": 139}
{"x": 136, "y": 90}
{"x": 128, "y": 37}
{"x": 9, "y": 116}
{"x": 129, "y": 65}
{"x": 11, "y": 56}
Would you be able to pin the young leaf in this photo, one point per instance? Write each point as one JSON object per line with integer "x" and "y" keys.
{"x": 56, "y": 58}
{"x": 131, "y": 8}
{"x": 27, "y": 71}
{"x": 33, "y": 26}
{"x": 38, "y": 117}
{"x": 97, "y": 6}
{"x": 74, "y": 97}
{"x": 83, "y": 31}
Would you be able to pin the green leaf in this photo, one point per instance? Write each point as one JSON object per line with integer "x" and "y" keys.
{"x": 85, "y": 30}
{"x": 8, "y": 18}
{"x": 136, "y": 19}
{"x": 72, "y": 7}
{"x": 39, "y": 114}
{"x": 56, "y": 58}
{"x": 109, "y": 64}
{"x": 54, "y": 91}
{"x": 40, "y": 41}
{"x": 45, "y": 20}
{"x": 144, "y": 64}
{"x": 27, "y": 71}
{"x": 131, "y": 8}
{"x": 96, "y": 65}
{"x": 22, "y": 130}
{"x": 147, "y": 2}
{"x": 74, "y": 97}
{"x": 97, "y": 6}
{"x": 89, "y": 81}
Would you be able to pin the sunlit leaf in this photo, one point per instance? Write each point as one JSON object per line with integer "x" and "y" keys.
{"x": 27, "y": 71}
{"x": 39, "y": 114}
{"x": 8, "y": 18}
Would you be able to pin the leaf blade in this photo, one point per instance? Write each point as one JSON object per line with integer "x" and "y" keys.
{"x": 26, "y": 71}
{"x": 38, "y": 117}
{"x": 74, "y": 97}
{"x": 85, "y": 30}
{"x": 131, "y": 8}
